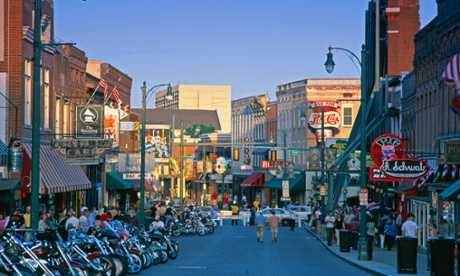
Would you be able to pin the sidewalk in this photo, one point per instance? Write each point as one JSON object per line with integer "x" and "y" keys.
{"x": 383, "y": 262}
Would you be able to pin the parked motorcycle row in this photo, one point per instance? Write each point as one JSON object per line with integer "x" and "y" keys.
{"x": 111, "y": 250}
{"x": 196, "y": 222}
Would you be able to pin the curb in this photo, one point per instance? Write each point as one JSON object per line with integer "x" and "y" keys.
{"x": 364, "y": 268}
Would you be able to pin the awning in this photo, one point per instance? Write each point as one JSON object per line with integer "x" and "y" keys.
{"x": 9, "y": 184}
{"x": 56, "y": 175}
{"x": 452, "y": 192}
{"x": 256, "y": 179}
{"x": 3, "y": 153}
{"x": 260, "y": 151}
{"x": 114, "y": 180}
{"x": 295, "y": 184}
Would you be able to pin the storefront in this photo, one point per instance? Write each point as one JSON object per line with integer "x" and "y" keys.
{"x": 61, "y": 184}
{"x": 296, "y": 187}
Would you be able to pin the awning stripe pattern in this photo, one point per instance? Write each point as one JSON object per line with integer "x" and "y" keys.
{"x": 56, "y": 174}
{"x": 3, "y": 153}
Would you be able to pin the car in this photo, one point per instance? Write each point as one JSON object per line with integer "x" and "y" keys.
{"x": 281, "y": 213}
{"x": 303, "y": 212}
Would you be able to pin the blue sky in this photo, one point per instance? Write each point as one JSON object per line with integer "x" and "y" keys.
{"x": 252, "y": 45}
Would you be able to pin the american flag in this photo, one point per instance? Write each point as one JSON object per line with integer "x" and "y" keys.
{"x": 451, "y": 74}
{"x": 103, "y": 84}
{"x": 116, "y": 95}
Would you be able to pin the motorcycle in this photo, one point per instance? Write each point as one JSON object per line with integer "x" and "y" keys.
{"x": 189, "y": 226}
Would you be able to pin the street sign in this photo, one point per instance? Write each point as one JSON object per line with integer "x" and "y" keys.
{"x": 294, "y": 152}
{"x": 285, "y": 199}
{"x": 285, "y": 185}
{"x": 363, "y": 197}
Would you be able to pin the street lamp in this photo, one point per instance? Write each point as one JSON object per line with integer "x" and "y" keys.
{"x": 363, "y": 255}
{"x": 145, "y": 95}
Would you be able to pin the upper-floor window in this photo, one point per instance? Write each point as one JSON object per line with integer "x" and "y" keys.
{"x": 347, "y": 115}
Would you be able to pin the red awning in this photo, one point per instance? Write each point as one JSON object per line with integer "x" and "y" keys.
{"x": 254, "y": 180}
{"x": 56, "y": 175}
{"x": 137, "y": 185}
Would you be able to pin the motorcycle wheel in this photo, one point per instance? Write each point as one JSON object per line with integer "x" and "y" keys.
{"x": 107, "y": 264}
{"x": 201, "y": 231}
{"x": 164, "y": 257}
{"x": 175, "y": 244}
{"x": 210, "y": 229}
{"x": 121, "y": 265}
{"x": 78, "y": 271}
{"x": 176, "y": 232}
{"x": 156, "y": 256}
{"x": 215, "y": 223}
{"x": 56, "y": 271}
{"x": 172, "y": 254}
{"x": 135, "y": 266}
{"x": 146, "y": 259}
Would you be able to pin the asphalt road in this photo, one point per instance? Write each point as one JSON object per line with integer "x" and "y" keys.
{"x": 233, "y": 250}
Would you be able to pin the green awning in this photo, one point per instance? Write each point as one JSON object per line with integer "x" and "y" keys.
{"x": 295, "y": 184}
{"x": 451, "y": 193}
{"x": 114, "y": 180}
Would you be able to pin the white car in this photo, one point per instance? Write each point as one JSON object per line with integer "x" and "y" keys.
{"x": 281, "y": 213}
{"x": 303, "y": 212}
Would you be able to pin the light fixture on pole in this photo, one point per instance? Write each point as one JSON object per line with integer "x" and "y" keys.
{"x": 145, "y": 95}
{"x": 329, "y": 64}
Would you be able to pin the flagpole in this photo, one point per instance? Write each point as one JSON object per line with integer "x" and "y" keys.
{"x": 92, "y": 95}
{"x": 111, "y": 91}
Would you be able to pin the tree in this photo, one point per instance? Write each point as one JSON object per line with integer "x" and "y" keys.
{"x": 192, "y": 131}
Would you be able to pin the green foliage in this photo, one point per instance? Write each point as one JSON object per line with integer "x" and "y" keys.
{"x": 203, "y": 130}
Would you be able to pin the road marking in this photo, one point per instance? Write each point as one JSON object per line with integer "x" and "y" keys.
{"x": 195, "y": 267}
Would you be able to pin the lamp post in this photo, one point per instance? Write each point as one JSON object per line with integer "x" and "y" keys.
{"x": 363, "y": 250}
{"x": 145, "y": 95}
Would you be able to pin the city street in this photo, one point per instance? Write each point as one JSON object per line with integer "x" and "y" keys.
{"x": 233, "y": 250}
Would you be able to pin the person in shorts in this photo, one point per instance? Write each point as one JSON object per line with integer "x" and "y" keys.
{"x": 273, "y": 223}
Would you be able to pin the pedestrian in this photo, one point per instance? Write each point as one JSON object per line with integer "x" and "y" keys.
{"x": 273, "y": 223}
{"x": 390, "y": 234}
{"x": 82, "y": 219}
{"x": 330, "y": 226}
{"x": 256, "y": 204}
{"x": 399, "y": 222}
{"x": 225, "y": 199}
{"x": 292, "y": 217}
{"x": 432, "y": 232}
{"x": 27, "y": 235}
{"x": 235, "y": 213}
{"x": 348, "y": 218}
{"x": 89, "y": 219}
{"x": 119, "y": 216}
{"x": 370, "y": 225}
{"x": 409, "y": 227}
{"x": 260, "y": 226}
{"x": 106, "y": 216}
{"x": 158, "y": 224}
{"x": 253, "y": 215}
{"x": 381, "y": 230}
{"x": 72, "y": 221}
{"x": 444, "y": 229}
{"x": 42, "y": 222}
{"x": 162, "y": 211}
{"x": 132, "y": 219}
{"x": 339, "y": 226}
{"x": 354, "y": 228}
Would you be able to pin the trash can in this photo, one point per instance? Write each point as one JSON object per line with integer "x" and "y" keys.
{"x": 407, "y": 254}
{"x": 345, "y": 236}
{"x": 442, "y": 250}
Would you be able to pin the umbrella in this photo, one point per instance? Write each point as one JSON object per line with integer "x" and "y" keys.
{"x": 370, "y": 205}
{"x": 379, "y": 209}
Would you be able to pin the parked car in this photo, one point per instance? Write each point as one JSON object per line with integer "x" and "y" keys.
{"x": 281, "y": 213}
{"x": 303, "y": 212}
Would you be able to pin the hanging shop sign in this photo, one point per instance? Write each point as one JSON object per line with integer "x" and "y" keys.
{"x": 81, "y": 151}
{"x": 221, "y": 165}
{"x": 388, "y": 153}
{"x": 451, "y": 152}
{"x": 89, "y": 122}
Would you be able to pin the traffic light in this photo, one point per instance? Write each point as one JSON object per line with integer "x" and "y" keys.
{"x": 345, "y": 191}
{"x": 247, "y": 157}
{"x": 236, "y": 154}
{"x": 273, "y": 155}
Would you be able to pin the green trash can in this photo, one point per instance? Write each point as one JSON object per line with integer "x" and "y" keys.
{"x": 442, "y": 250}
{"x": 345, "y": 237}
{"x": 407, "y": 254}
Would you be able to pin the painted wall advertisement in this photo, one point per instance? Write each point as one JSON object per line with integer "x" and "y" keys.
{"x": 112, "y": 125}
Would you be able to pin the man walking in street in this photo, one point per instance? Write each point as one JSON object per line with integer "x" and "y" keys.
{"x": 260, "y": 226}
{"x": 409, "y": 228}
{"x": 273, "y": 223}
{"x": 235, "y": 213}
{"x": 330, "y": 225}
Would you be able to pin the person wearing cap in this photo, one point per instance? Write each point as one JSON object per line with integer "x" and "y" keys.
{"x": 235, "y": 213}
{"x": 82, "y": 219}
{"x": 409, "y": 227}
{"x": 260, "y": 226}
